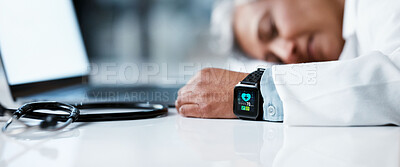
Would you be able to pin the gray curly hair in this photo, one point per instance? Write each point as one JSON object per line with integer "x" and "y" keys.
{"x": 221, "y": 26}
{"x": 224, "y": 42}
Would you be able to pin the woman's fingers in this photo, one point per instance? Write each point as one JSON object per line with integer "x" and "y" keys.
{"x": 190, "y": 110}
{"x": 185, "y": 98}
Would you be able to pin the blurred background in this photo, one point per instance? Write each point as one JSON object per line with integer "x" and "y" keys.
{"x": 148, "y": 31}
{"x": 145, "y": 30}
{"x": 168, "y": 33}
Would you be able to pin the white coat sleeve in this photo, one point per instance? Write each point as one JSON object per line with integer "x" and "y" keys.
{"x": 360, "y": 91}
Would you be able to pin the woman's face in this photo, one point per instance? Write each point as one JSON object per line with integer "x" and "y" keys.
{"x": 290, "y": 31}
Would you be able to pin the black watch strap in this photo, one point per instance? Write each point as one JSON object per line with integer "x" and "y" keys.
{"x": 254, "y": 77}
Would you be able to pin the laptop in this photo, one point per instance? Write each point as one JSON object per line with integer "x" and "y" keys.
{"x": 44, "y": 58}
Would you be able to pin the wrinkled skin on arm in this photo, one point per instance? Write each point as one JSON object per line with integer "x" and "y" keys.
{"x": 209, "y": 94}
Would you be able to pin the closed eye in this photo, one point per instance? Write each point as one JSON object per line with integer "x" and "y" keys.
{"x": 267, "y": 29}
{"x": 274, "y": 30}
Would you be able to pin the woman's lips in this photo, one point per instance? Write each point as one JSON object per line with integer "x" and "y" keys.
{"x": 311, "y": 49}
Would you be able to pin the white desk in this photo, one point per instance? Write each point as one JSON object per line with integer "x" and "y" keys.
{"x": 177, "y": 141}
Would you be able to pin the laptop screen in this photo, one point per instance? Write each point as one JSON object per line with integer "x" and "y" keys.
{"x": 40, "y": 40}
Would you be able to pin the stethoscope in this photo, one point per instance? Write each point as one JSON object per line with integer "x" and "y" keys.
{"x": 50, "y": 122}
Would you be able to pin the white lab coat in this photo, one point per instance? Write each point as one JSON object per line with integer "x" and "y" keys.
{"x": 363, "y": 87}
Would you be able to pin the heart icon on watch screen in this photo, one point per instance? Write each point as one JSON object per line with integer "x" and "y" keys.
{"x": 246, "y": 97}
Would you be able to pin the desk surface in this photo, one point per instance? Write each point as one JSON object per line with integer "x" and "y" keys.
{"x": 177, "y": 141}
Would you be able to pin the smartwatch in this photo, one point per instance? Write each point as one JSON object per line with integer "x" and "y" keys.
{"x": 248, "y": 101}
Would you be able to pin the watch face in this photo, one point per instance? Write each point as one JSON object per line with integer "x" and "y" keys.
{"x": 246, "y": 102}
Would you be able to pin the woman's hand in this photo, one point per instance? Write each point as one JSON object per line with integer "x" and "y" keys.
{"x": 209, "y": 94}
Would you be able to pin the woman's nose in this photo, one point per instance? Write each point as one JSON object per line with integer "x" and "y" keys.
{"x": 284, "y": 49}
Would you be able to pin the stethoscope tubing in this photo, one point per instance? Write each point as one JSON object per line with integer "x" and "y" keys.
{"x": 27, "y": 111}
{"x": 155, "y": 111}
{"x": 102, "y": 117}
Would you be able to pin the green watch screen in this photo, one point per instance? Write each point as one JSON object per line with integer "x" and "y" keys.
{"x": 245, "y": 100}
